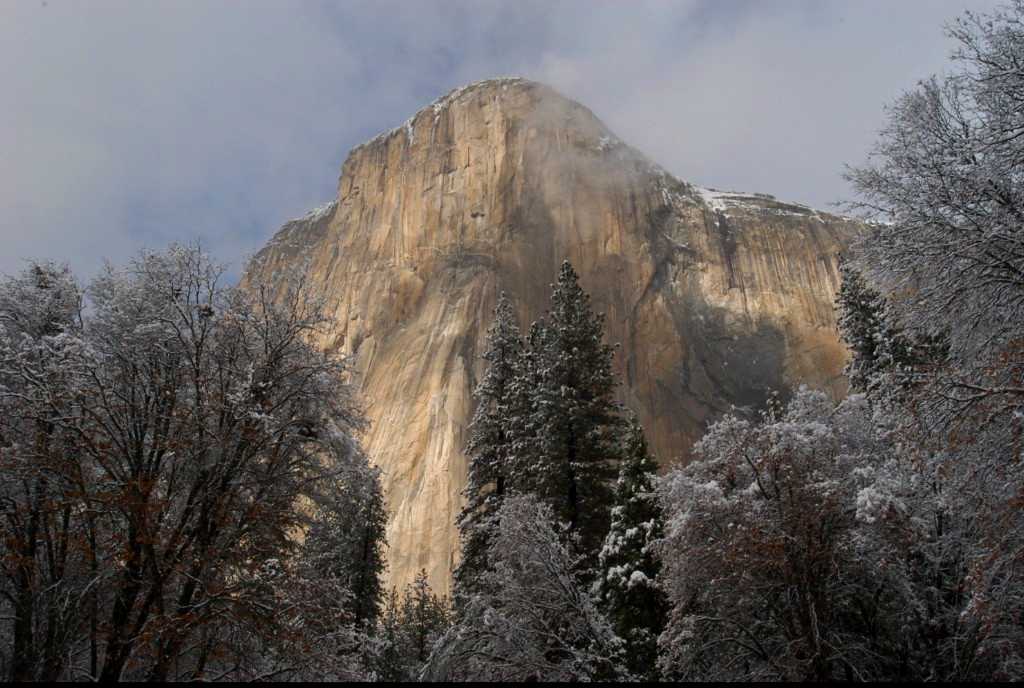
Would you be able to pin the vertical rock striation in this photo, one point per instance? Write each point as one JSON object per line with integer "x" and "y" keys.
{"x": 716, "y": 298}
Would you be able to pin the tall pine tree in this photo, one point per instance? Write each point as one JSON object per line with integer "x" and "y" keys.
{"x": 346, "y": 538}
{"x": 488, "y": 447}
{"x": 878, "y": 345}
{"x": 568, "y": 450}
{"x": 628, "y": 589}
{"x": 410, "y": 625}
{"x": 862, "y": 326}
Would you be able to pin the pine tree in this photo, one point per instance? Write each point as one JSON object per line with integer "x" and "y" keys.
{"x": 628, "y": 589}
{"x": 410, "y": 625}
{"x": 425, "y": 615}
{"x": 520, "y": 421}
{"x": 533, "y": 620}
{"x": 878, "y": 344}
{"x": 370, "y": 561}
{"x": 386, "y": 656}
{"x": 861, "y": 325}
{"x": 486, "y": 483}
{"x": 346, "y": 538}
{"x": 569, "y": 441}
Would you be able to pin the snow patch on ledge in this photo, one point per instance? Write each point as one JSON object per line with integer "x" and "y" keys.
{"x": 724, "y": 201}
{"x": 714, "y": 199}
{"x": 607, "y": 142}
{"x": 294, "y": 236}
{"x": 318, "y": 213}
{"x": 678, "y": 194}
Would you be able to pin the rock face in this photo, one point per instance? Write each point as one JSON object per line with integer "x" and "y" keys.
{"x": 715, "y": 298}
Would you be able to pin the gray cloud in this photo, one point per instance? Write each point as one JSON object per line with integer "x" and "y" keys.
{"x": 124, "y": 124}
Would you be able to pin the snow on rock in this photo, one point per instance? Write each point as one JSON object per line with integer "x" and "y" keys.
{"x": 438, "y": 106}
{"x": 296, "y": 234}
{"x": 456, "y": 94}
{"x": 606, "y": 143}
{"x": 676, "y": 192}
{"x": 726, "y": 201}
{"x": 319, "y": 212}
{"x": 714, "y": 199}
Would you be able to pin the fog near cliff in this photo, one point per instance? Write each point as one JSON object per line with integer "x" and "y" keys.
{"x": 124, "y": 125}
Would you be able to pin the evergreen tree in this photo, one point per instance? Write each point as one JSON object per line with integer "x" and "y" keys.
{"x": 569, "y": 439}
{"x": 533, "y": 620}
{"x": 409, "y": 628}
{"x": 348, "y": 537}
{"x": 861, "y": 325}
{"x": 425, "y": 615}
{"x": 386, "y": 656}
{"x": 878, "y": 344}
{"x": 628, "y": 589}
{"x": 520, "y": 421}
{"x": 369, "y": 562}
{"x": 488, "y": 446}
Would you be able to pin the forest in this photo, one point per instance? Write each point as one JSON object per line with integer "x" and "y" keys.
{"x": 183, "y": 494}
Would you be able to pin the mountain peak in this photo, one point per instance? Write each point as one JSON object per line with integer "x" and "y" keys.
{"x": 716, "y": 297}
{"x": 520, "y": 98}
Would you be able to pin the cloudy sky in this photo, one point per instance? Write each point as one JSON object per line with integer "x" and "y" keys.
{"x": 136, "y": 123}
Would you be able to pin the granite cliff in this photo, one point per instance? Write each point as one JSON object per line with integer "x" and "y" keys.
{"x": 716, "y": 298}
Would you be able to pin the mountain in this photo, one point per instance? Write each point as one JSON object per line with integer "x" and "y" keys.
{"x": 716, "y": 298}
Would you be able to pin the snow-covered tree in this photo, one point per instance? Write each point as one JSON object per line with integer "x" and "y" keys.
{"x": 863, "y": 327}
{"x": 568, "y": 448}
{"x": 232, "y": 410}
{"x": 532, "y": 620}
{"x": 761, "y": 558}
{"x": 45, "y": 571}
{"x": 409, "y": 630}
{"x": 827, "y": 542}
{"x": 489, "y": 446}
{"x": 628, "y": 587}
{"x": 42, "y": 301}
{"x": 883, "y": 355}
{"x": 157, "y": 448}
{"x": 325, "y": 599}
{"x": 946, "y": 178}
{"x": 425, "y": 616}
{"x": 346, "y": 537}
{"x": 525, "y": 452}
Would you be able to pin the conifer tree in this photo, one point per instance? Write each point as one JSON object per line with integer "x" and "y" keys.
{"x": 488, "y": 449}
{"x": 426, "y": 616}
{"x": 861, "y": 325}
{"x": 520, "y": 421}
{"x": 370, "y": 561}
{"x": 410, "y": 625}
{"x": 628, "y": 589}
{"x": 533, "y": 621}
{"x": 878, "y": 344}
{"x": 347, "y": 538}
{"x": 570, "y": 444}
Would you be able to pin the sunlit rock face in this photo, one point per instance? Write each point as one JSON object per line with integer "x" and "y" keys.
{"x": 715, "y": 298}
